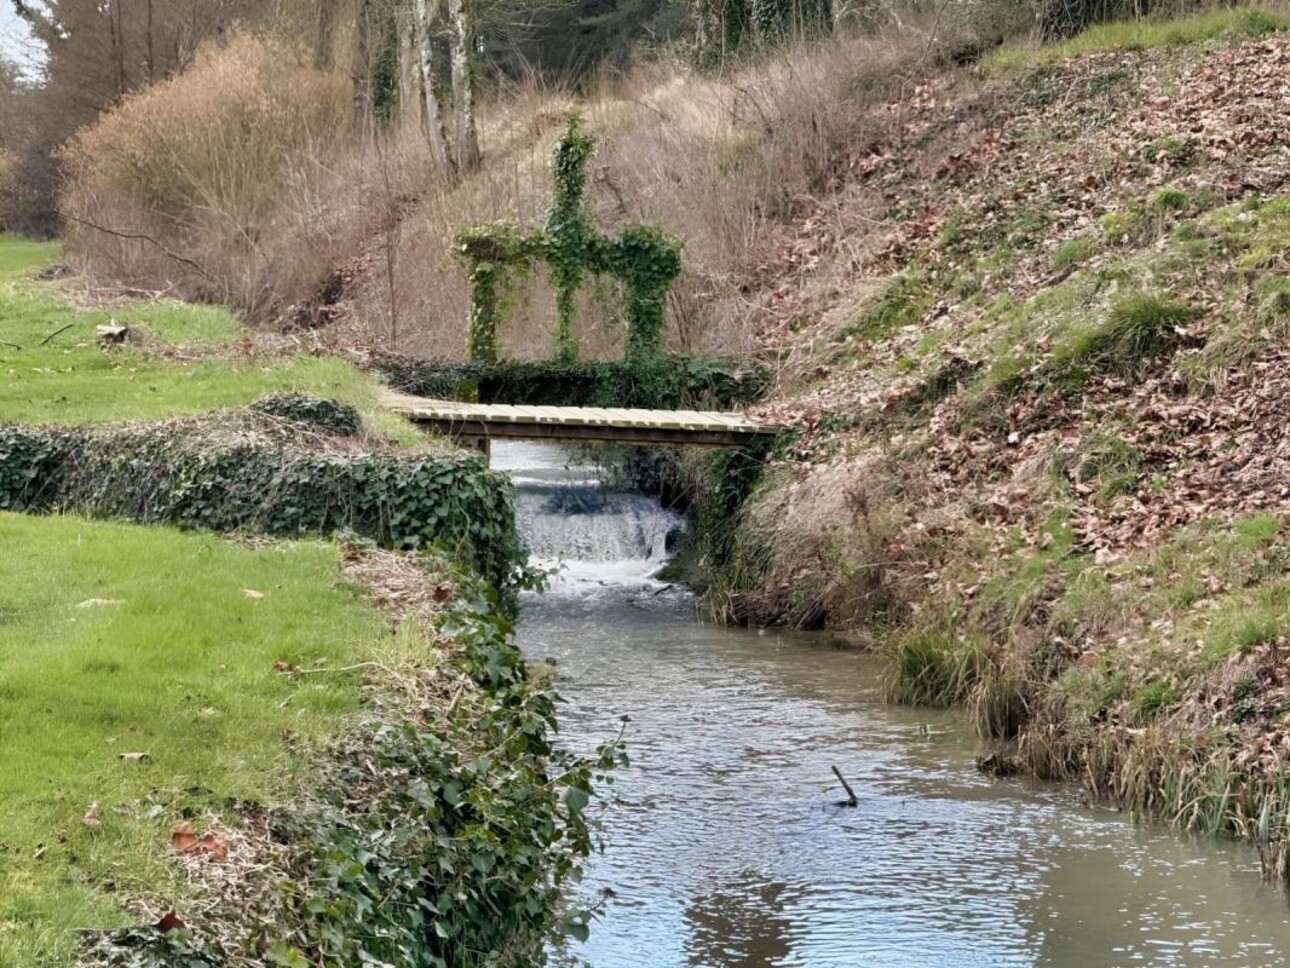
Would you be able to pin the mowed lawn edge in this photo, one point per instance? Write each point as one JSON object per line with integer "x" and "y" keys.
{"x": 118, "y": 639}
{"x": 183, "y": 359}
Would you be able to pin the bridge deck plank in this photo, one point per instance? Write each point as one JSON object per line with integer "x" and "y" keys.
{"x": 632, "y": 424}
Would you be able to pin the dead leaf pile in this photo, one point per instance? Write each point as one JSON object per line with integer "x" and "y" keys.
{"x": 187, "y": 843}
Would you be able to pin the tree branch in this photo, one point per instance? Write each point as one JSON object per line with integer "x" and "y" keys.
{"x": 136, "y": 236}
{"x": 851, "y": 800}
{"x": 61, "y": 329}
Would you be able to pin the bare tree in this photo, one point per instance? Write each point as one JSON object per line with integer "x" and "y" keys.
{"x": 461, "y": 13}
{"x": 361, "y": 68}
{"x": 324, "y": 39}
{"x": 426, "y": 17}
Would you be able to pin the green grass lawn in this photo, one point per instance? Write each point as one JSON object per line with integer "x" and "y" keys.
{"x": 119, "y": 639}
{"x": 72, "y": 380}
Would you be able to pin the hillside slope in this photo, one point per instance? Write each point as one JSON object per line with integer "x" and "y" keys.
{"x": 1047, "y": 467}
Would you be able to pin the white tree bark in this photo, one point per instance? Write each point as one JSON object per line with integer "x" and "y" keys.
{"x": 461, "y": 13}
{"x": 425, "y": 14}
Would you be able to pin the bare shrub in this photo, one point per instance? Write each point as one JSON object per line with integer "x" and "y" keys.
{"x": 250, "y": 188}
{"x": 215, "y": 182}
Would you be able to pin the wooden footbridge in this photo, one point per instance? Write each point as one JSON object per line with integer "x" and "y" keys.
{"x": 480, "y": 423}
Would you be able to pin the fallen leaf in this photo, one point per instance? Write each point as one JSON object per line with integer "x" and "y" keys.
{"x": 99, "y": 602}
{"x": 133, "y": 757}
{"x": 286, "y": 668}
{"x": 252, "y": 593}
{"x": 91, "y": 818}
{"x": 186, "y": 842}
{"x": 170, "y": 921}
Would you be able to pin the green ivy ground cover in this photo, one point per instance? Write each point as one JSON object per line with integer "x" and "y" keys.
{"x": 120, "y": 639}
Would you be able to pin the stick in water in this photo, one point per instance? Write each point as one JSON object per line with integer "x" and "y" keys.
{"x": 851, "y": 800}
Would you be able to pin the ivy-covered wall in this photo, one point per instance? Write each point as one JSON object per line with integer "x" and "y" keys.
{"x": 253, "y": 472}
{"x": 644, "y": 258}
{"x": 668, "y": 383}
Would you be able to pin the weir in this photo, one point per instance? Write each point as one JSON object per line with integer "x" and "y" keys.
{"x": 567, "y": 519}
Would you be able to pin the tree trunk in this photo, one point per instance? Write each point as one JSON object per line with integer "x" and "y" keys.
{"x": 409, "y": 61}
{"x": 118, "y": 47}
{"x": 152, "y": 59}
{"x": 426, "y": 18}
{"x": 709, "y": 32}
{"x": 361, "y": 69}
{"x": 324, "y": 40}
{"x": 462, "y": 15}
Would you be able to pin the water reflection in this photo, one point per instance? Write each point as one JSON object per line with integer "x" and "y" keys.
{"x": 740, "y": 926}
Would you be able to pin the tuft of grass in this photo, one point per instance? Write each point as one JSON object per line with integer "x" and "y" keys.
{"x": 120, "y": 639}
{"x": 951, "y": 233}
{"x": 1000, "y": 704}
{"x": 1075, "y": 251}
{"x": 1085, "y": 692}
{"x": 1107, "y": 459}
{"x": 1124, "y": 225}
{"x": 1151, "y": 700}
{"x": 1238, "y": 23}
{"x": 1181, "y": 151}
{"x": 1135, "y": 329}
{"x": 1245, "y": 622}
{"x": 1169, "y": 199}
{"x": 902, "y": 302}
{"x": 936, "y": 666}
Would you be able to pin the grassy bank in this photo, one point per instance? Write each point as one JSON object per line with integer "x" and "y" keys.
{"x": 179, "y": 359}
{"x": 1043, "y": 465}
{"x": 185, "y": 717}
{"x": 117, "y": 640}
{"x": 308, "y": 757}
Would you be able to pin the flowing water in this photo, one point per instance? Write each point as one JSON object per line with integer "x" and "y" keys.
{"x": 724, "y": 843}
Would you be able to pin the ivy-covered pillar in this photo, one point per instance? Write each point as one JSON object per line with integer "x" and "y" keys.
{"x": 495, "y": 253}
{"x": 648, "y": 261}
{"x": 481, "y": 341}
{"x": 569, "y": 232}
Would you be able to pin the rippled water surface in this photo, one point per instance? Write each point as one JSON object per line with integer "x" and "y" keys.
{"x": 724, "y": 846}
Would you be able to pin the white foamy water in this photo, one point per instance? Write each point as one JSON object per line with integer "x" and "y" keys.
{"x": 595, "y": 539}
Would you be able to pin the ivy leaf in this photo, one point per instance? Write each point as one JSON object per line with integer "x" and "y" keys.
{"x": 576, "y": 799}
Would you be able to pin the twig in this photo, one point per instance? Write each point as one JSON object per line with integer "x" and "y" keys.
{"x": 61, "y": 329}
{"x": 7, "y": 343}
{"x": 349, "y": 668}
{"x": 851, "y": 800}
{"x": 136, "y": 236}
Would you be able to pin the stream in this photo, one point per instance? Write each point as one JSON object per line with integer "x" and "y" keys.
{"x": 724, "y": 843}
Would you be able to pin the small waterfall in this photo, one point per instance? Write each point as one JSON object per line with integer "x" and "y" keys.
{"x": 569, "y": 520}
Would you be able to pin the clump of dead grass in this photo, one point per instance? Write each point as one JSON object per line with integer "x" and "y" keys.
{"x": 827, "y": 546}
